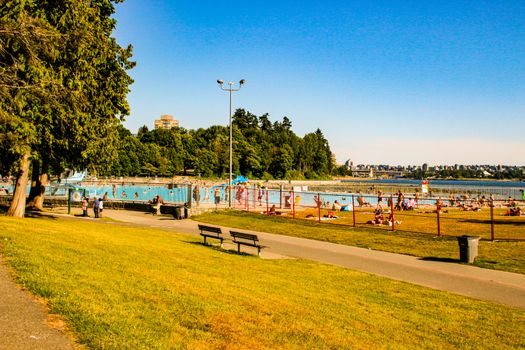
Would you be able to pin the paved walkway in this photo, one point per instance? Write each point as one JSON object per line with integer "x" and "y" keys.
{"x": 497, "y": 286}
{"x": 24, "y": 323}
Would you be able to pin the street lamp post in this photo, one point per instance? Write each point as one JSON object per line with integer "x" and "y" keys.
{"x": 230, "y": 89}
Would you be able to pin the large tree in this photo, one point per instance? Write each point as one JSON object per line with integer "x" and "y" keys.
{"x": 85, "y": 74}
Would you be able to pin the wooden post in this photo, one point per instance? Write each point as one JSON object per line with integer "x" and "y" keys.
{"x": 353, "y": 209}
{"x": 319, "y": 207}
{"x": 492, "y": 221}
{"x": 267, "y": 207}
{"x": 438, "y": 210}
{"x": 392, "y": 213}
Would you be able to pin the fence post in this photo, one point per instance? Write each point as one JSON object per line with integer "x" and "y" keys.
{"x": 438, "y": 210}
{"x": 267, "y": 208}
{"x": 353, "y": 209}
{"x": 281, "y": 196}
{"x": 247, "y": 200}
{"x": 392, "y": 216}
{"x": 68, "y": 201}
{"x": 492, "y": 220}
{"x": 293, "y": 204}
{"x": 319, "y": 207}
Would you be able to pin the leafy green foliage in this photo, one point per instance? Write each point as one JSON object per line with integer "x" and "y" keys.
{"x": 260, "y": 149}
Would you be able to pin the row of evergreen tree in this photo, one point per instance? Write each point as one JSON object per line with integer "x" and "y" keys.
{"x": 261, "y": 149}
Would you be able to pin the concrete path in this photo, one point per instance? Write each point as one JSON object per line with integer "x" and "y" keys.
{"x": 24, "y": 323}
{"x": 497, "y": 286}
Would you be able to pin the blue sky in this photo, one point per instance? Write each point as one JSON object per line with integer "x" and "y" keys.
{"x": 388, "y": 82}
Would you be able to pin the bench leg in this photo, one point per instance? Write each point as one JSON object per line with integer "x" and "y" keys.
{"x": 238, "y": 248}
{"x": 258, "y": 251}
{"x": 204, "y": 240}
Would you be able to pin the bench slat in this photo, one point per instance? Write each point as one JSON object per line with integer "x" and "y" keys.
{"x": 243, "y": 235}
{"x": 210, "y": 229}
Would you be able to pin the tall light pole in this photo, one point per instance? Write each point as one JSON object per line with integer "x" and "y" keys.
{"x": 230, "y": 89}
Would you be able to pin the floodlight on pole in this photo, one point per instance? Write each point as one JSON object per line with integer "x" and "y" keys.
{"x": 230, "y": 89}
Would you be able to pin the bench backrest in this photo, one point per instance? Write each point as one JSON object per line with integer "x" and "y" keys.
{"x": 242, "y": 235}
{"x": 210, "y": 229}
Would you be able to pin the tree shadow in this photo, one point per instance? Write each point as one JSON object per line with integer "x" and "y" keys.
{"x": 39, "y": 215}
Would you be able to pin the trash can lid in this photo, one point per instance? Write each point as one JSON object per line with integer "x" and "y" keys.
{"x": 469, "y": 237}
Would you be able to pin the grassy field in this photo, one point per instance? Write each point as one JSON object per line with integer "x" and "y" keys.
{"x": 119, "y": 287}
{"x": 500, "y": 255}
{"x": 453, "y": 221}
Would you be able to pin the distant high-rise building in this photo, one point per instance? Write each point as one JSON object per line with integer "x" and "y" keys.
{"x": 349, "y": 164}
{"x": 166, "y": 122}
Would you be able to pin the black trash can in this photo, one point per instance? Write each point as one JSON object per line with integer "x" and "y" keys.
{"x": 177, "y": 214}
{"x": 468, "y": 248}
{"x": 287, "y": 202}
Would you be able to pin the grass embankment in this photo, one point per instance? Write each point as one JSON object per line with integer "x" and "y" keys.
{"x": 506, "y": 256}
{"x": 133, "y": 288}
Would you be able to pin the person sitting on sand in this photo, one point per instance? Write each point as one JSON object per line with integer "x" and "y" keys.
{"x": 410, "y": 204}
{"x": 361, "y": 200}
{"x": 378, "y": 218}
{"x": 272, "y": 211}
{"x": 336, "y": 205}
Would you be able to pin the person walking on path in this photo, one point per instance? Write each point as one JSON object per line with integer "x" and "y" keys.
{"x": 217, "y": 195}
{"x": 100, "y": 207}
{"x": 96, "y": 207}
{"x": 85, "y": 205}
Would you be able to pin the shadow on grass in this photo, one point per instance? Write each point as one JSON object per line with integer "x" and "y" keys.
{"x": 39, "y": 215}
{"x": 218, "y": 248}
{"x": 496, "y": 222}
{"x": 447, "y": 260}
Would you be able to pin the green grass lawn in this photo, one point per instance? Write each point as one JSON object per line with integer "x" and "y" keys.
{"x": 500, "y": 255}
{"x": 119, "y": 287}
{"x": 453, "y": 221}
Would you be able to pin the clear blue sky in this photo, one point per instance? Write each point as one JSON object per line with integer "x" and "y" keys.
{"x": 388, "y": 82}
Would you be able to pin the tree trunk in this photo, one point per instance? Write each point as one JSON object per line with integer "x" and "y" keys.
{"x": 38, "y": 186}
{"x": 18, "y": 205}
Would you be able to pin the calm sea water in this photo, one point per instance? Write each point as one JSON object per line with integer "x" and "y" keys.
{"x": 445, "y": 183}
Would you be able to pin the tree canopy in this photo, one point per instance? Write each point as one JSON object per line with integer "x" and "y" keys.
{"x": 261, "y": 149}
{"x": 63, "y": 83}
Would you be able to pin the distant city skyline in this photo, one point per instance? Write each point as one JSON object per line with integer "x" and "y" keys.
{"x": 387, "y": 82}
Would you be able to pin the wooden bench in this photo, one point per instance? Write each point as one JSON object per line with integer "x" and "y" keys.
{"x": 246, "y": 239}
{"x": 211, "y": 232}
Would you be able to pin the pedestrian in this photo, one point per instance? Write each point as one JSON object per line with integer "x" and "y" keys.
{"x": 100, "y": 207}
{"x": 217, "y": 195}
{"x": 96, "y": 207}
{"x": 196, "y": 194}
{"x": 379, "y": 199}
{"x": 85, "y": 204}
